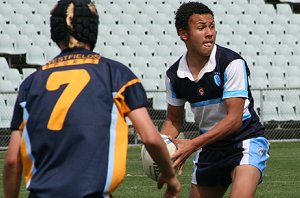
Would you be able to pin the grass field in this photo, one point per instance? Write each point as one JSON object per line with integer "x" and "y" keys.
{"x": 281, "y": 180}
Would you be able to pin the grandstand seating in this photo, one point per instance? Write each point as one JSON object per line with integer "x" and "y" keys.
{"x": 3, "y": 63}
{"x": 152, "y": 73}
{"x": 27, "y": 71}
{"x": 13, "y": 76}
{"x": 6, "y": 86}
{"x": 5, "y": 116}
{"x": 158, "y": 62}
{"x": 257, "y": 98}
{"x": 139, "y": 61}
{"x": 287, "y": 111}
{"x": 159, "y": 101}
{"x": 259, "y": 82}
{"x": 292, "y": 71}
{"x": 277, "y": 82}
{"x": 35, "y": 55}
{"x": 50, "y": 52}
{"x": 269, "y": 111}
{"x": 141, "y": 34}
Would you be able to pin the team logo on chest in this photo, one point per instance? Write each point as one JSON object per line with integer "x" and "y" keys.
{"x": 201, "y": 91}
{"x": 217, "y": 79}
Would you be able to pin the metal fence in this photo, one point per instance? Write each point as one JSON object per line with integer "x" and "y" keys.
{"x": 279, "y": 110}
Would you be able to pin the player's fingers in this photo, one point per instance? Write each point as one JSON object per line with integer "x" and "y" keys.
{"x": 175, "y": 141}
{"x": 160, "y": 181}
{"x": 176, "y": 164}
{"x": 180, "y": 169}
{"x": 160, "y": 184}
{"x": 174, "y": 156}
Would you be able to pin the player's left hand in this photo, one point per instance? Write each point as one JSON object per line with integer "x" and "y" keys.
{"x": 184, "y": 150}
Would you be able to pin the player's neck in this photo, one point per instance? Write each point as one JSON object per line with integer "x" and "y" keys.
{"x": 196, "y": 63}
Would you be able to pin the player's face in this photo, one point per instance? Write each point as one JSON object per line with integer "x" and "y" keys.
{"x": 201, "y": 35}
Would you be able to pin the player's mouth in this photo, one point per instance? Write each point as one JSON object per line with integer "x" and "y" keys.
{"x": 208, "y": 44}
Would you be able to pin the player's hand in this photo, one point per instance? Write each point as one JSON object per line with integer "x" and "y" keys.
{"x": 184, "y": 150}
{"x": 173, "y": 186}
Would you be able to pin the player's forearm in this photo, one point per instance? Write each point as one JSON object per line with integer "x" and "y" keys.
{"x": 224, "y": 128}
{"x": 160, "y": 155}
{"x": 174, "y": 120}
{"x": 12, "y": 170}
{"x": 170, "y": 128}
{"x": 152, "y": 140}
{"x": 11, "y": 181}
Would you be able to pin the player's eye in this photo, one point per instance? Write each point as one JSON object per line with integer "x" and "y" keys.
{"x": 201, "y": 27}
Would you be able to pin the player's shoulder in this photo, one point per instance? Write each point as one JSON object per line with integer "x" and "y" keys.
{"x": 118, "y": 69}
{"x": 114, "y": 64}
{"x": 224, "y": 56}
{"x": 172, "y": 70}
{"x": 227, "y": 53}
{"x": 26, "y": 83}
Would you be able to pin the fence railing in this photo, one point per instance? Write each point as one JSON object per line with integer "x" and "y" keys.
{"x": 279, "y": 110}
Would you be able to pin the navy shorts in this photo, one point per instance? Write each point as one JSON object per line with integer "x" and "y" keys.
{"x": 213, "y": 167}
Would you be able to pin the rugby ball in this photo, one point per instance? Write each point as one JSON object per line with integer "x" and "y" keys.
{"x": 149, "y": 166}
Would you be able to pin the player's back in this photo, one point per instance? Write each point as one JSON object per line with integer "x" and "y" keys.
{"x": 73, "y": 122}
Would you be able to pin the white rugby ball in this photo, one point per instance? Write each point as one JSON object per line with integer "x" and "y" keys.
{"x": 149, "y": 166}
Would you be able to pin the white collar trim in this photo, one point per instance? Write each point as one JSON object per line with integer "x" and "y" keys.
{"x": 184, "y": 71}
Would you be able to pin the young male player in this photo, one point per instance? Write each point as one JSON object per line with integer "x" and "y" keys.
{"x": 231, "y": 147}
{"x": 69, "y": 130}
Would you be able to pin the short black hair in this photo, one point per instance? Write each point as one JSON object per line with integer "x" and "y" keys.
{"x": 186, "y": 10}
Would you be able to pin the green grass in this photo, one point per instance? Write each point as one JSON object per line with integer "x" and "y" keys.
{"x": 281, "y": 179}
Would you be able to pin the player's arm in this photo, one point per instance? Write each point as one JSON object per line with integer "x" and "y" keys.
{"x": 229, "y": 124}
{"x": 156, "y": 148}
{"x": 12, "y": 170}
{"x": 152, "y": 140}
{"x": 175, "y": 111}
{"x": 174, "y": 120}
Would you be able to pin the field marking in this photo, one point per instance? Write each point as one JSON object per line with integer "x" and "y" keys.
{"x": 285, "y": 140}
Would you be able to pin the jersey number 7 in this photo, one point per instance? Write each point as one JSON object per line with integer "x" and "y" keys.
{"x": 76, "y": 81}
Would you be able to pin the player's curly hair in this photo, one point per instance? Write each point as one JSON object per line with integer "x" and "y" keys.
{"x": 74, "y": 21}
{"x": 186, "y": 10}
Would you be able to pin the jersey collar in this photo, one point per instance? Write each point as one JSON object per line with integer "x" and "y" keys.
{"x": 184, "y": 71}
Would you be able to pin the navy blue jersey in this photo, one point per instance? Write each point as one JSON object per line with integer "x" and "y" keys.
{"x": 72, "y": 113}
{"x": 225, "y": 75}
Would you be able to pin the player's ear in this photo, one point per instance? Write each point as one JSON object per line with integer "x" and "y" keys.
{"x": 183, "y": 34}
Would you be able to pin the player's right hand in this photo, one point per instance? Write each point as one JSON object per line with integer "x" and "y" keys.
{"x": 184, "y": 150}
{"x": 173, "y": 186}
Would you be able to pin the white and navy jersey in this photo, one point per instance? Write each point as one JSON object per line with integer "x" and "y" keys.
{"x": 224, "y": 76}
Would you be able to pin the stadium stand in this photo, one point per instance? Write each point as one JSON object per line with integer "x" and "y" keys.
{"x": 35, "y": 55}
{"x": 141, "y": 34}
{"x": 26, "y": 72}
{"x": 292, "y": 71}
{"x": 6, "y": 86}
{"x": 152, "y": 73}
{"x": 287, "y": 111}
{"x": 21, "y": 43}
{"x": 269, "y": 111}
{"x": 3, "y": 63}
{"x": 50, "y": 52}
{"x": 7, "y": 45}
{"x": 159, "y": 101}
{"x": 6, "y": 114}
